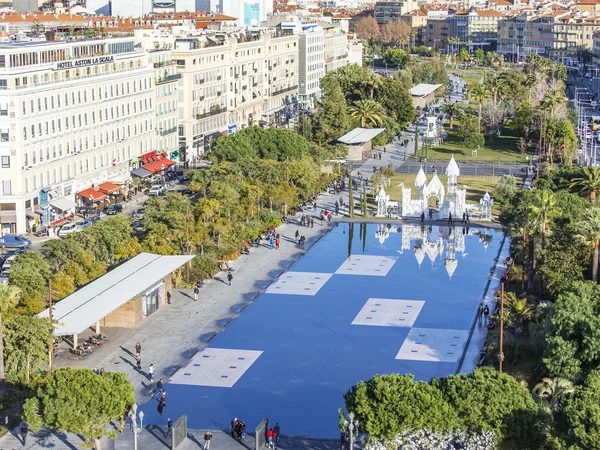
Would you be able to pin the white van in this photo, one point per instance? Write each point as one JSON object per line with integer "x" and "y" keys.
{"x": 67, "y": 229}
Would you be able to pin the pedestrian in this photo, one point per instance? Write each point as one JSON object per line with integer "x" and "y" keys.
{"x": 270, "y": 438}
{"x": 162, "y": 403}
{"x": 277, "y": 432}
{"x": 297, "y": 234}
{"x": 277, "y": 242}
{"x": 24, "y": 431}
{"x": 121, "y": 425}
{"x": 423, "y": 216}
{"x": 138, "y": 350}
{"x": 464, "y": 217}
{"x": 207, "y": 437}
{"x": 151, "y": 373}
{"x": 169, "y": 297}
{"x": 229, "y": 278}
{"x": 468, "y": 220}
{"x": 138, "y": 362}
{"x": 271, "y": 242}
{"x": 312, "y": 222}
{"x": 480, "y": 312}
{"x": 328, "y": 218}
{"x": 486, "y": 313}
{"x": 196, "y": 293}
{"x": 449, "y": 218}
{"x": 159, "y": 385}
{"x": 169, "y": 426}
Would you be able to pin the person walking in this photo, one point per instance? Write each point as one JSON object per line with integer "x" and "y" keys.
{"x": 196, "y": 293}
{"x": 24, "y": 431}
{"x": 162, "y": 402}
{"x": 312, "y": 222}
{"x": 138, "y": 362}
{"x": 277, "y": 432}
{"x": 270, "y": 438}
{"x": 138, "y": 350}
{"x": 297, "y": 234}
{"x": 207, "y": 438}
{"x": 449, "y": 218}
{"x": 159, "y": 385}
{"x": 169, "y": 426}
{"x": 151, "y": 373}
{"x": 422, "y": 216}
{"x": 229, "y": 277}
{"x": 169, "y": 297}
{"x": 277, "y": 242}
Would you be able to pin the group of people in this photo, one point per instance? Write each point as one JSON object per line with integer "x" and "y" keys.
{"x": 238, "y": 429}
{"x": 300, "y": 238}
{"x": 307, "y": 221}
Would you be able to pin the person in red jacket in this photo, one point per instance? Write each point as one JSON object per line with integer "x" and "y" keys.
{"x": 270, "y": 437}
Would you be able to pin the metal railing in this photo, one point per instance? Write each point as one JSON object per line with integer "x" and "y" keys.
{"x": 282, "y": 91}
{"x": 168, "y": 78}
{"x": 211, "y": 113}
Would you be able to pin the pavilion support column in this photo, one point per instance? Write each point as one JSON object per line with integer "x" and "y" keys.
{"x": 97, "y": 327}
{"x": 75, "y": 336}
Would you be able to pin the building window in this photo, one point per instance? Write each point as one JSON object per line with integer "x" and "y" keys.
{"x": 4, "y": 135}
{"x": 6, "y": 162}
{"x": 6, "y": 187}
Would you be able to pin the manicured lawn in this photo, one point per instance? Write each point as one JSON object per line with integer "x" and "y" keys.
{"x": 472, "y": 75}
{"x": 497, "y": 149}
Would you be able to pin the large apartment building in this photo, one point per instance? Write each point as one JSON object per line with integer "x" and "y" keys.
{"x": 229, "y": 85}
{"x": 72, "y": 115}
{"x": 387, "y": 11}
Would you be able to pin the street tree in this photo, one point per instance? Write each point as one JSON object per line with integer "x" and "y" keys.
{"x": 589, "y": 235}
{"x": 80, "y": 401}
{"x": 542, "y": 211}
{"x": 479, "y": 93}
{"x": 452, "y": 110}
{"x": 587, "y": 182}
{"x": 9, "y": 298}
{"x": 366, "y": 27}
{"x": 583, "y": 413}
{"x": 367, "y": 112}
{"x": 553, "y": 391}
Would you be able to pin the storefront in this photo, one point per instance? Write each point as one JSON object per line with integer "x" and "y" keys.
{"x": 153, "y": 298}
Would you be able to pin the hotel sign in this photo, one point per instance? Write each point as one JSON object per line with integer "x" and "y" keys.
{"x": 85, "y": 62}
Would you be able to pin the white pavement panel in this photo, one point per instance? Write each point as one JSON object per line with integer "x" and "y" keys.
{"x": 299, "y": 283}
{"x": 367, "y": 265}
{"x": 385, "y": 312}
{"x": 431, "y": 344}
{"x": 216, "y": 367}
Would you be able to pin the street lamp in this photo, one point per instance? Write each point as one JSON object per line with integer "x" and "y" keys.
{"x": 134, "y": 426}
{"x": 350, "y": 430}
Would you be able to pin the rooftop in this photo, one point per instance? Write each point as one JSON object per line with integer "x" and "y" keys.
{"x": 360, "y": 135}
{"x": 421, "y": 90}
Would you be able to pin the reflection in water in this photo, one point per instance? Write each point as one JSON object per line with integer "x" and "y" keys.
{"x": 429, "y": 242}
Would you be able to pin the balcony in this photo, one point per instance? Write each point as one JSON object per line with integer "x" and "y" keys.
{"x": 168, "y": 78}
{"x": 212, "y": 112}
{"x": 162, "y": 132}
{"x": 164, "y": 64}
{"x": 284, "y": 90}
{"x": 244, "y": 72}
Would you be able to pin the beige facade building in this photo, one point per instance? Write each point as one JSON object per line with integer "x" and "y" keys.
{"x": 166, "y": 112}
{"x": 229, "y": 85}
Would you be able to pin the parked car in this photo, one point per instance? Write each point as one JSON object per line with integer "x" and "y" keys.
{"x": 185, "y": 191}
{"x": 83, "y": 224}
{"x": 137, "y": 226}
{"x": 67, "y": 229}
{"x": 6, "y": 265}
{"x": 114, "y": 209}
{"x": 14, "y": 241}
{"x": 156, "y": 190}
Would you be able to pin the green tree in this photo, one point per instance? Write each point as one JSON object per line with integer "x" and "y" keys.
{"x": 479, "y": 55}
{"x": 487, "y": 400}
{"x": 479, "y": 93}
{"x": 387, "y": 405}
{"x": 30, "y": 272}
{"x": 587, "y": 182}
{"x": 506, "y": 188}
{"x": 543, "y": 209}
{"x": 332, "y": 119}
{"x": 589, "y": 235}
{"x": 474, "y": 141}
{"x": 367, "y": 112}
{"x": 396, "y": 101}
{"x": 81, "y": 402}
{"x": 9, "y": 297}
{"x": 28, "y": 341}
{"x": 395, "y": 57}
{"x": 583, "y": 413}
{"x": 553, "y": 390}
{"x": 452, "y": 110}
{"x": 517, "y": 311}
{"x": 63, "y": 285}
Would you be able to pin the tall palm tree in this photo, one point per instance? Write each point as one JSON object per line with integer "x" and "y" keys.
{"x": 452, "y": 110}
{"x": 553, "y": 98}
{"x": 367, "y": 111}
{"x": 530, "y": 82}
{"x": 496, "y": 84}
{"x": 589, "y": 234}
{"x": 587, "y": 182}
{"x": 543, "y": 209}
{"x": 519, "y": 310}
{"x": 9, "y": 297}
{"x": 480, "y": 93}
{"x": 553, "y": 390}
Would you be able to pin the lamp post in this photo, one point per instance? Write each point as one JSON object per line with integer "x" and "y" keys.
{"x": 134, "y": 426}
{"x": 350, "y": 431}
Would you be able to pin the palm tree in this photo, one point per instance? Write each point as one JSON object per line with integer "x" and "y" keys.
{"x": 480, "y": 93}
{"x": 518, "y": 310}
{"x": 452, "y": 110}
{"x": 552, "y": 98}
{"x": 367, "y": 111}
{"x": 553, "y": 390}
{"x": 589, "y": 234}
{"x": 496, "y": 85}
{"x": 542, "y": 211}
{"x": 530, "y": 82}
{"x": 9, "y": 297}
{"x": 587, "y": 182}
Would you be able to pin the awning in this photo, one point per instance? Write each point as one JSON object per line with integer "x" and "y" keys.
{"x": 141, "y": 172}
{"x": 159, "y": 165}
{"x": 39, "y": 212}
{"x": 91, "y": 192}
{"x": 121, "y": 180}
{"x": 102, "y": 296}
{"x": 63, "y": 203}
{"x": 109, "y": 188}
{"x": 30, "y": 215}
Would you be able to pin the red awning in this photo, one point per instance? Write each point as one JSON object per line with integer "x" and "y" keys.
{"x": 157, "y": 166}
{"x": 109, "y": 188}
{"x": 89, "y": 192}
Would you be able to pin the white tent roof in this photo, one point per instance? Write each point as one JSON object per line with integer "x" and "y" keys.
{"x": 420, "y": 179}
{"x": 360, "y": 135}
{"x": 99, "y": 298}
{"x": 422, "y": 90}
{"x": 452, "y": 169}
